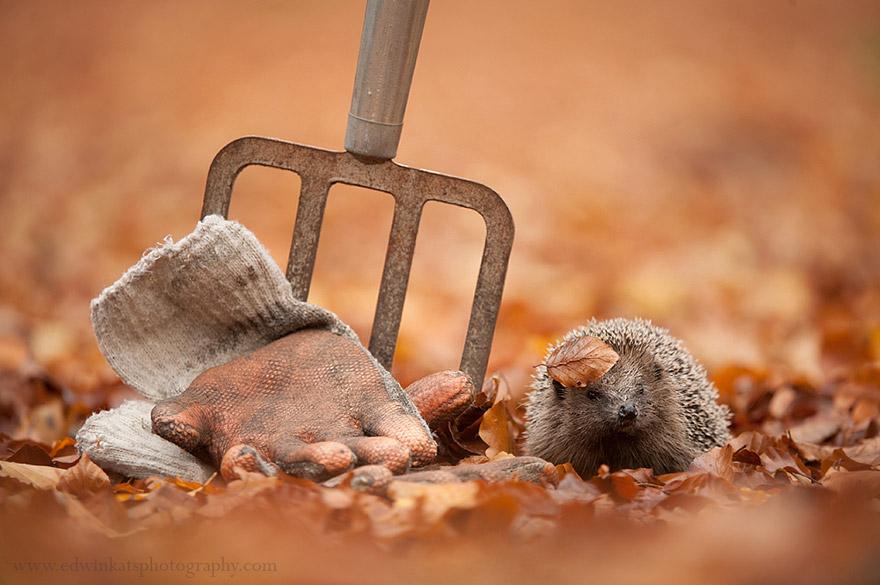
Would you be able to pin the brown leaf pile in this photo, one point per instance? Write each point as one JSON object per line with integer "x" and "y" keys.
{"x": 825, "y": 480}
{"x": 743, "y": 495}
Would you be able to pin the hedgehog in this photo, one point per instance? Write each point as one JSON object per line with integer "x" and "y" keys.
{"x": 654, "y": 408}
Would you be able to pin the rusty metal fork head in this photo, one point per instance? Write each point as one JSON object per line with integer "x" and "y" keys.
{"x": 411, "y": 188}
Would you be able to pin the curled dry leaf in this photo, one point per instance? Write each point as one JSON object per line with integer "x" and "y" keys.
{"x": 83, "y": 479}
{"x": 580, "y": 361}
{"x": 495, "y": 430}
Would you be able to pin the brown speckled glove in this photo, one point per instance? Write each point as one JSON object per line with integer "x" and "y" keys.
{"x": 310, "y": 403}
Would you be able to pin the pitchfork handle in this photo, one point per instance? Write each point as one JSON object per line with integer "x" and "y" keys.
{"x": 387, "y": 58}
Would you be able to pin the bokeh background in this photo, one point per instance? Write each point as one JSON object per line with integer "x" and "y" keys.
{"x": 712, "y": 166}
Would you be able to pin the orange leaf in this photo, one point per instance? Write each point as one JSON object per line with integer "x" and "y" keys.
{"x": 580, "y": 361}
{"x": 60, "y": 445}
{"x": 41, "y": 477}
{"x": 495, "y": 430}
{"x": 186, "y": 485}
{"x": 83, "y": 479}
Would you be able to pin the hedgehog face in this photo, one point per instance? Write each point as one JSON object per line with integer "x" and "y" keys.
{"x": 625, "y": 401}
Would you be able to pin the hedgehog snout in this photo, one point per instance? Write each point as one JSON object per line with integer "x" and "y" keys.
{"x": 627, "y": 412}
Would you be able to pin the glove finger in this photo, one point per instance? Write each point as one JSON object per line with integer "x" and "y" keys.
{"x": 243, "y": 457}
{"x": 179, "y": 422}
{"x": 530, "y": 469}
{"x": 315, "y": 461}
{"x": 385, "y": 451}
{"x": 442, "y": 396}
{"x": 394, "y": 422}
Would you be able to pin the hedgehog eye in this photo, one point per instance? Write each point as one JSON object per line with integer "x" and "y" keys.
{"x": 592, "y": 395}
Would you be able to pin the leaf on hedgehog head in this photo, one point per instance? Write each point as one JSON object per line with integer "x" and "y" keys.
{"x": 580, "y": 361}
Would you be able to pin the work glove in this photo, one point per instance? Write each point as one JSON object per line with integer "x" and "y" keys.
{"x": 311, "y": 404}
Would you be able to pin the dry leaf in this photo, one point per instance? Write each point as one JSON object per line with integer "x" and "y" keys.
{"x": 62, "y": 445}
{"x": 716, "y": 461}
{"x": 31, "y": 454}
{"x": 495, "y": 430}
{"x": 433, "y": 500}
{"x": 83, "y": 479}
{"x": 868, "y": 451}
{"x": 853, "y": 483}
{"x": 578, "y": 362}
{"x": 815, "y": 429}
{"x": 238, "y": 492}
{"x": 41, "y": 477}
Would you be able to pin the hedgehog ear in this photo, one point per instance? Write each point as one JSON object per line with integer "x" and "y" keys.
{"x": 558, "y": 388}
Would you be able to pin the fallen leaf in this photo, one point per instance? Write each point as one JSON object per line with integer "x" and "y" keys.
{"x": 717, "y": 461}
{"x": 433, "y": 500}
{"x": 83, "y": 479}
{"x": 238, "y": 492}
{"x": 815, "y": 429}
{"x": 572, "y": 488}
{"x": 190, "y": 486}
{"x": 747, "y": 456}
{"x": 85, "y": 517}
{"x": 41, "y": 477}
{"x": 861, "y": 482}
{"x": 625, "y": 486}
{"x": 62, "y": 445}
{"x": 773, "y": 459}
{"x": 868, "y": 451}
{"x": 838, "y": 459}
{"x": 495, "y": 430}
{"x": 619, "y": 485}
{"x": 578, "y": 362}
{"x": 31, "y": 454}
